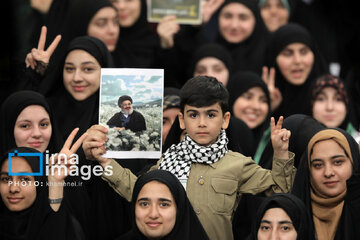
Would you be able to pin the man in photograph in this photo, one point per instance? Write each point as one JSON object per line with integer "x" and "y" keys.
{"x": 127, "y": 118}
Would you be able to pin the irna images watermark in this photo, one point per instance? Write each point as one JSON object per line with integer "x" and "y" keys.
{"x": 60, "y": 164}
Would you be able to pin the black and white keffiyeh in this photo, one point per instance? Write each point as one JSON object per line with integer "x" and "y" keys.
{"x": 178, "y": 158}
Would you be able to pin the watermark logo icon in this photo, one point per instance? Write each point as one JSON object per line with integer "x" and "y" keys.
{"x": 27, "y": 154}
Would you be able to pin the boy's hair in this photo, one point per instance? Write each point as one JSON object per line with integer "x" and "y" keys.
{"x": 203, "y": 91}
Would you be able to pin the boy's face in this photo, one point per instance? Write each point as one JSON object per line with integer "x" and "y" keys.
{"x": 204, "y": 124}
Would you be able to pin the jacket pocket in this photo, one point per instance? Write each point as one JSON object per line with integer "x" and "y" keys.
{"x": 222, "y": 195}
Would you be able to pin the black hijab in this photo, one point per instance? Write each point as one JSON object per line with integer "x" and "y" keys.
{"x": 302, "y": 128}
{"x": 293, "y": 207}
{"x": 68, "y": 112}
{"x": 348, "y": 224}
{"x": 74, "y": 23}
{"x": 247, "y": 55}
{"x": 241, "y": 82}
{"x": 139, "y": 41}
{"x": 187, "y": 225}
{"x": 10, "y": 110}
{"x": 39, "y": 221}
{"x": 295, "y": 99}
{"x": 210, "y": 50}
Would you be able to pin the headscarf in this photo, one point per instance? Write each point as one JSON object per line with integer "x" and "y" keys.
{"x": 210, "y": 50}
{"x": 302, "y": 128}
{"x": 10, "y": 110}
{"x": 284, "y": 2}
{"x": 171, "y": 98}
{"x": 27, "y": 223}
{"x": 187, "y": 225}
{"x": 296, "y": 99}
{"x": 336, "y": 83}
{"x": 77, "y": 20}
{"x": 341, "y": 212}
{"x": 240, "y": 83}
{"x": 139, "y": 41}
{"x": 81, "y": 14}
{"x": 293, "y": 207}
{"x": 68, "y": 112}
{"x": 39, "y": 221}
{"x": 247, "y": 55}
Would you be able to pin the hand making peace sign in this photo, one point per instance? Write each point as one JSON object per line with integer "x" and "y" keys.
{"x": 279, "y": 138}
{"x": 67, "y": 150}
{"x": 39, "y": 55}
{"x": 275, "y": 94}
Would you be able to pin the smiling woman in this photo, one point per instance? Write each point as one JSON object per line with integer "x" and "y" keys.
{"x": 297, "y": 62}
{"x": 157, "y": 198}
{"x": 26, "y": 120}
{"x": 327, "y": 182}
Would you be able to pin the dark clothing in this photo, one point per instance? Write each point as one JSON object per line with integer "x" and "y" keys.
{"x": 240, "y": 83}
{"x": 347, "y": 227}
{"x": 135, "y": 124}
{"x": 295, "y": 98}
{"x": 302, "y": 128}
{"x": 293, "y": 207}
{"x": 39, "y": 221}
{"x": 187, "y": 225}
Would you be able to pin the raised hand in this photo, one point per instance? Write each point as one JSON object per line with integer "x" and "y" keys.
{"x": 209, "y": 7}
{"x": 94, "y": 144}
{"x": 279, "y": 138}
{"x": 275, "y": 94}
{"x": 62, "y": 161}
{"x": 166, "y": 29}
{"x": 40, "y": 56}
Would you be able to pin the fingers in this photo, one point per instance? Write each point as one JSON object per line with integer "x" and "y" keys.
{"x": 271, "y": 79}
{"x": 78, "y": 143}
{"x": 29, "y": 61}
{"x": 280, "y": 122}
{"x": 276, "y": 126}
{"x": 70, "y": 138}
{"x": 265, "y": 74}
{"x": 42, "y": 40}
{"x": 53, "y": 45}
{"x": 99, "y": 128}
{"x": 285, "y": 134}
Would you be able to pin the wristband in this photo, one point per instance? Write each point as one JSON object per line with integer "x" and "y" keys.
{"x": 54, "y": 201}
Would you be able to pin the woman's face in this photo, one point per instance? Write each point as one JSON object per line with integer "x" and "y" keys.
{"x": 295, "y": 62}
{"x": 81, "y": 74}
{"x": 274, "y": 14}
{"x": 329, "y": 168}
{"x": 214, "y": 67}
{"x": 128, "y": 11}
{"x": 276, "y": 224}
{"x": 155, "y": 210}
{"x": 33, "y": 128}
{"x": 236, "y": 22}
{"x": 17, "y": 192}
{"x": 252, "y": 107}
{"x": 329, "y": 107}
{"x": 105, "y": 26}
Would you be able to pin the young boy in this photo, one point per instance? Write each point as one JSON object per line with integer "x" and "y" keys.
{"x": 213, "y": 176}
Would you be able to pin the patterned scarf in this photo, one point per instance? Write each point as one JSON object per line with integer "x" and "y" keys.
{"x": 178, "y": 158}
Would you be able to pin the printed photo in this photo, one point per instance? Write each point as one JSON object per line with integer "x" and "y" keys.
{"x": 131, "y": 108}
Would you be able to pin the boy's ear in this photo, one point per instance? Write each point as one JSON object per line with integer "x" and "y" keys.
{"x": 226, "y": 120}
{"x": 181, "y": 120}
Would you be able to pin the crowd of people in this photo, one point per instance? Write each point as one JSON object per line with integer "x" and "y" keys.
{"x": 260, "y": 132}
